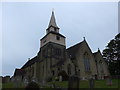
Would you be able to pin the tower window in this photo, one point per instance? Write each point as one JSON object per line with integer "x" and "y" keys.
{"x": 57, "y": 37}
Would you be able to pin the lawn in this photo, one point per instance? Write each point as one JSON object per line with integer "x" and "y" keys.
{"x": 102, "y": 84}
{"x": 7, "y": 85}
{"x": 83, "y": 84}
{"x": 10, "y": 85}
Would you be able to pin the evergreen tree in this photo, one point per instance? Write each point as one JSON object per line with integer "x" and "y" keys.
{"x": 112, "y": 55}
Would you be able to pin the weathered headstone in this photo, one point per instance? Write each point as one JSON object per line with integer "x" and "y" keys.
{"x": 60, "y": 78}
{"x": 91, "y": 83}
{"x": 73, "y": 82}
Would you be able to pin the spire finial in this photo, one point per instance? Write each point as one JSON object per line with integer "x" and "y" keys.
{"x": 52, "y": 20}
{"x": 53, "y": 10}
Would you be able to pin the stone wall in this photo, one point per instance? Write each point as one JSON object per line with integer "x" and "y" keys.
{"x": 6, "y": 79}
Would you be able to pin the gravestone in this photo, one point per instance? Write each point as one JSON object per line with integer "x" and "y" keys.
{"x": 91, "y": 83}
{"x": 60, "y": 78}
{"x": 73, "y": 82}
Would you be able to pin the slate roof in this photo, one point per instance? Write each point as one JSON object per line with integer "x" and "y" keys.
{"x": 30, "y": 62}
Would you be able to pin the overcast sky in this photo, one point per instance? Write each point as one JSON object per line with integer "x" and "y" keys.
{"x": 24, "y": 24}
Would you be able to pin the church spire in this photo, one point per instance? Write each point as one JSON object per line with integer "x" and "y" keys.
{"x": 52, "y": 20}
{"x": 52, "y": 27}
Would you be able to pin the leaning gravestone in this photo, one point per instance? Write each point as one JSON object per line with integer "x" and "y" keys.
{"x": 73, "y": 82}
{"x": 91, "y": 83}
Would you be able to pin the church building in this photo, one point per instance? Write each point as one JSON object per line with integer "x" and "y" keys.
{"x": 55, "y": 60}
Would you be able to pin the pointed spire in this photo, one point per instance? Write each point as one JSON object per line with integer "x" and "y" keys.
{"x": 52, "y": 20}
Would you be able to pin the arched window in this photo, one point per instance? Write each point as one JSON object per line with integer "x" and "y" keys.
{"x": 86, "y": 62}
{"x": 69, "y": 69}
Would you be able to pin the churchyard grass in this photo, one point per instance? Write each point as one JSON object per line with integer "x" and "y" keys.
{"x": 83, "y": 84}
{"x": 7, "y": 85}
{"x": 102, "y": 84}
{"x": 63, "y": 84}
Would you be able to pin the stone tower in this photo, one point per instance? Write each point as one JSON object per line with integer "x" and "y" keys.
{"x": 52, "y": 50}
